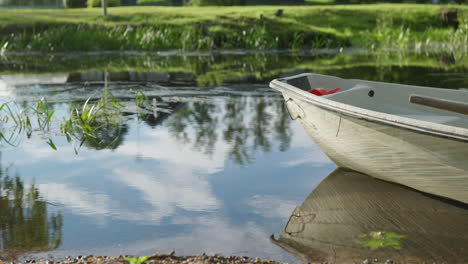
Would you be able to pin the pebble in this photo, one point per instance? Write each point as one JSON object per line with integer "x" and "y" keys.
{"x": 170, "y": 258}
{"x": 155, "y": 259}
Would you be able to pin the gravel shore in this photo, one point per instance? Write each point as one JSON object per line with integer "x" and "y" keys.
{"x": 154, "y": 259}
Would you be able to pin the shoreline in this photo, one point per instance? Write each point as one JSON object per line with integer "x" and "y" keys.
{"x": 170, "y": 258}
{"x": 149, "y": 28}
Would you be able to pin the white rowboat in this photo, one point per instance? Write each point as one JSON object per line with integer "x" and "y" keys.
{"x": 412, "y": 135}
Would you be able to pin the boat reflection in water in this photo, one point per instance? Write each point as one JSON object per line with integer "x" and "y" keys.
{"x": 351, "y": 217}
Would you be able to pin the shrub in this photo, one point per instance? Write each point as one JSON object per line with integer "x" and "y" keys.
{"x": 97, "y": 3}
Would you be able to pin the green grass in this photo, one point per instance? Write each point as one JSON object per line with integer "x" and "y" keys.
{"x": 235, "y": 27}
{"x": 319, "y": 2}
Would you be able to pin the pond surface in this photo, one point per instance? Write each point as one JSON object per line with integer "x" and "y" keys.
{"x": 210, "y": 162}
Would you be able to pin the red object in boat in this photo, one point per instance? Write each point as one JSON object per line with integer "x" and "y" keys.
{"x": 321, "y": 91}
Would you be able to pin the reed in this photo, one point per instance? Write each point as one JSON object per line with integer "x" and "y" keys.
{"x": 261, "y": 34}
{"x": 43, "y": 114}
{"x": 389, "y": 35}
{"x": 86, "y": 122}
{"x": 15, "y": 122}
{"x": 205, "y": 28}
{"x": 20, "y": 120}
{"x": 459, "y": 40}
{"x": 140, "y": 99}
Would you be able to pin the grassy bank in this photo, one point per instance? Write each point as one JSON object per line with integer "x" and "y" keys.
{"x": 248, "y": 27}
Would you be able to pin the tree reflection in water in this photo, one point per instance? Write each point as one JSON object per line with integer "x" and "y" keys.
{"x": 261, "y": 123}
{"x": 282, "y": 129}
{"x": 24, "y": 223}
{"x": 247, "y": 125}
{"x": 236, "y": 133}
{"x": 199, "y": 116}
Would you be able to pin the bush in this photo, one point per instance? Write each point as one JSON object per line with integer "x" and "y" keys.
{"x": 97, "y": 3}
{"x": 76, "y": 3}
{"x": 216, "y": 2}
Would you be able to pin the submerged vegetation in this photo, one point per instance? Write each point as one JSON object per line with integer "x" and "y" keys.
{"x": 205, "y": 28}
{"x": 92, "y": 123}
{"x": 381, "y": 240}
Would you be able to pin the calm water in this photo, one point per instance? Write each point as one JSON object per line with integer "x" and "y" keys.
{"x": 213, "y": 165}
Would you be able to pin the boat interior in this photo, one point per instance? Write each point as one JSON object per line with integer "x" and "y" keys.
{"x": 443, "y": 106}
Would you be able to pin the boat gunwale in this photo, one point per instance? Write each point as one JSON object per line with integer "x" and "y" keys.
{"x": 434, "y": 129}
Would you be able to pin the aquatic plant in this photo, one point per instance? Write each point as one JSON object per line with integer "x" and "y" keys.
{"x": 136, "y": 260}
{"x": 387, "y": 35}
{"x": 21, "y": 123}
{"x": 97, "y": 124}
{"x": 459, "y": 40}
{"x": 17, "y": 121}
{"x": 140, "y": 98}
{"x": 43, "y": 114}
{"x": 89, "y": 122}
{"x": 224, "y": 34}
{"x": 3, "y": 47}
{"x": 381, "y": 240}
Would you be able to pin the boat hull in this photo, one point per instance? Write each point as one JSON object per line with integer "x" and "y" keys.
{"x": 420, "y": 160}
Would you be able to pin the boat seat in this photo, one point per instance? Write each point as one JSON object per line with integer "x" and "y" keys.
{"x": 361, "y": 96}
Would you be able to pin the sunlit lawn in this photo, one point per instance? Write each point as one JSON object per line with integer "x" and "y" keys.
{"x": 341, "y": 21}
{"x": 338, "y": 17}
